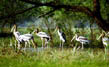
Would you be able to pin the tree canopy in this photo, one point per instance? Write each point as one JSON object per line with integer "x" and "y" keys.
{"x": 58, "y": 9}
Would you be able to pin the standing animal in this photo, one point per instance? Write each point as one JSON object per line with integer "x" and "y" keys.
{"x": 25, "y": 38}
{"x": 44, "y": 37}
{"x": 105, "y": 41}
{"x": 83, "y": 40}
{"x": 62, "y": 36}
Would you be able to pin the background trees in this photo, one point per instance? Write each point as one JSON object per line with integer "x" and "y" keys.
{"x": 57, "y": 9}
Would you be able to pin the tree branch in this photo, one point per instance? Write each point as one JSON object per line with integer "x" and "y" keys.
{"x": 95, "y": 13}
{"x": 16, "y": 13}
{"x": 83, "y": 9}
{"x": 96, "y": 5}
{"x": 49, "y": 12}
{"x": 67, "y": 7}
{"x": 96, "y": 9}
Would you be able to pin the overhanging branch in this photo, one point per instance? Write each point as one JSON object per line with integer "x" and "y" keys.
{"x": 66, "y": 7}
{"x": 16, "y": 13}
{"x": 95, "y": 13}
{"x": 46, "y": 14}
{"x": 96, "y": 6}
{"x": 83, "y": 9}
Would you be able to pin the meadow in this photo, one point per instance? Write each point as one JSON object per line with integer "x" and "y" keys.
{"x": 52, "y": 56}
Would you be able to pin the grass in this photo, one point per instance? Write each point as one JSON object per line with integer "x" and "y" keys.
{"x": 54, "y": 57}
{"x": 51, "y": 57}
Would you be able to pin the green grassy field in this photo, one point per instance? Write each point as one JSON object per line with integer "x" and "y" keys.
{"x": 52, "y": 57}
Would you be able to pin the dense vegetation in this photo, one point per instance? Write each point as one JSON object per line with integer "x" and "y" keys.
{"x": 53, "y": 57}
{"x": 89, "y": 18}
{"x": 13, "y": 11}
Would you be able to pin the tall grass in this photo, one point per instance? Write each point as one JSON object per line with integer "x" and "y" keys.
{"x": 52, "y": 57}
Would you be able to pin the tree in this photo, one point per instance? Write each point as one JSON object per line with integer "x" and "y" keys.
{"x": 94, "y": 12}
{"x": 12, "y": 11}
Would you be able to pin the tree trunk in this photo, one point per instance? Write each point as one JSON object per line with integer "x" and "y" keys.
{"x": 51, "y": 36}
{"x": 92, "y": 37}
{"x": 97, "y": 16}
{"x": 3, "y": 25}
